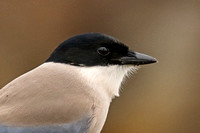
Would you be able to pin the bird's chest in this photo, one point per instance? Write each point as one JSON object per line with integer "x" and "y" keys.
{"x": 100, "y": 109}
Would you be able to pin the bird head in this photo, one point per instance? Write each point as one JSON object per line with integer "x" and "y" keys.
{"x": 95, "y": 49}
{"x": 103, "y": 60}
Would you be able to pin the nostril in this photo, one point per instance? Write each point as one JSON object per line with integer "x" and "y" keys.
{"x": 131, "y": 53}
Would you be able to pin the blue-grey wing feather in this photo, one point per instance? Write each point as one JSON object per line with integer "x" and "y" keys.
{"x": 80, "y": 126}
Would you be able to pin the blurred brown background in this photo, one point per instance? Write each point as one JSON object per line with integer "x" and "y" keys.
{"x": 160, "y": 98}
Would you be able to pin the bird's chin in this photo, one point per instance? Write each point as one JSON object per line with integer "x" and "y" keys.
{"x": 129, "y": 69}
{"x": 134, "y": 68}
{"x": 131, "y": 66}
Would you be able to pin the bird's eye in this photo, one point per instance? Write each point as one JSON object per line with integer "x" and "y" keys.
{"x": 103, "y": 51}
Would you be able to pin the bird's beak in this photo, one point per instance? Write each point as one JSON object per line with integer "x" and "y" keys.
{"x": 135, "y": 58}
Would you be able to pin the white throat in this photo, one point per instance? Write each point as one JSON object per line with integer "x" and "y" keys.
{"x": 106, "y": 78}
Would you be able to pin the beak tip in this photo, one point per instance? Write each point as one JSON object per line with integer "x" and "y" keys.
{"x": 146, "y": 59}
{"x": 154, "y": 60}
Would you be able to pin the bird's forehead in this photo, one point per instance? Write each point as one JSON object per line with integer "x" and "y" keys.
{"x": 95, "y": 39}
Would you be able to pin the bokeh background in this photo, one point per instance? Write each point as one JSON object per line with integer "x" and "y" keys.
{"x": 160, "y": 98}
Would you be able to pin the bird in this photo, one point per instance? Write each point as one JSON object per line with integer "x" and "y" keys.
{"x": 71, "y": 91}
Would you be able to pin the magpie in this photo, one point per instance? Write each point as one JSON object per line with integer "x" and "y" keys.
{"x": 71, "y": 91}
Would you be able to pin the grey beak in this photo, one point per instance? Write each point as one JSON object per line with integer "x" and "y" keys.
{"x": 136, "y": 58}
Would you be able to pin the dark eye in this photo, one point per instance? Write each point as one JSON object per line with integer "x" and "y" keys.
{"x": 103, "y": 51}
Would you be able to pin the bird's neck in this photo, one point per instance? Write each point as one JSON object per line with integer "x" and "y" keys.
{"x": 106, "y": 79}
